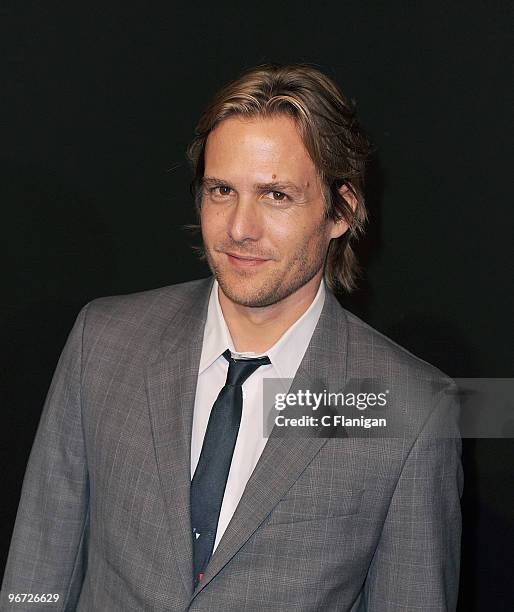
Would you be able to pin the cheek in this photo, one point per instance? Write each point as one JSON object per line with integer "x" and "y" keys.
{"x": 211, "y": 221}
{"x": 284, "y": 225}
{"x": 292, "y": 235}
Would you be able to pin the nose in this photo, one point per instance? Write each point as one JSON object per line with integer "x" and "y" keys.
{"x": 244, "y": 221}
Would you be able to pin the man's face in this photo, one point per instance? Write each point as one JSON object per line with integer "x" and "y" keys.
{"x": 262, "y": 214}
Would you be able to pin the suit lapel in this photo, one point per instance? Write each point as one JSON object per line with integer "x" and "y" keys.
{"x": 285, "y": 458}
{"x": 171, "y": 385}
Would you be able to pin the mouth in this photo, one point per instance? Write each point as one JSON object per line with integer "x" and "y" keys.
{"x": 245, "y": 261}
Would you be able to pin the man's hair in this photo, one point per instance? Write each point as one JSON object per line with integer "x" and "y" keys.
{"x": 329, "y": 129}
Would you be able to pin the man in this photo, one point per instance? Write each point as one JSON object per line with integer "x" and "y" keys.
{"x": 151, "y": 484}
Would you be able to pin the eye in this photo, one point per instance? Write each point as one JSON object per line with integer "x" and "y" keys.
{"x": 220, "y": 191}
{"x": 224, "y": 190}
{"x": 278, "y": 196}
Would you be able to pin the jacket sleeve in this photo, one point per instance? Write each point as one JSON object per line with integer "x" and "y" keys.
{"x": 416, "y": 563}
{"x": 49, "y": 543}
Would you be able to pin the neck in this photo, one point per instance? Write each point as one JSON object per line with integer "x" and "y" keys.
{"x": 258, "y": 329}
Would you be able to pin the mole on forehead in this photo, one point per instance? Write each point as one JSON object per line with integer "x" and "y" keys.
{"x": 307, "y": 184}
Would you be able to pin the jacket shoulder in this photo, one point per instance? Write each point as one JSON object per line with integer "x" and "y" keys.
{"x": 414, "y": 387}
{"x": 132, "y": 305}
{"x": 140, "y": 318}
{"x": 387, "y": 356}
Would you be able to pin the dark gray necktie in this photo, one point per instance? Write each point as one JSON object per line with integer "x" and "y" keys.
{"x": 210, "y": 477}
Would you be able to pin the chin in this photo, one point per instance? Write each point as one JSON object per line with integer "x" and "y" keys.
{"x": 245, "y": 293}
{"x": 252, "y": 293}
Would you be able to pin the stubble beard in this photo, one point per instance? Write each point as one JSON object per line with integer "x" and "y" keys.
{"x": 273, "y": 287}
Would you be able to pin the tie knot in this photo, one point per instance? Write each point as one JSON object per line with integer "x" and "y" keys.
{"x": 240, "y": 369}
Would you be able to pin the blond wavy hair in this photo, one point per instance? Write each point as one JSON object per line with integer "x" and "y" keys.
{"x": 327, "y": 123}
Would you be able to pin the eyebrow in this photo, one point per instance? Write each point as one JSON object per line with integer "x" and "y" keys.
{"x": 210, "y": 181}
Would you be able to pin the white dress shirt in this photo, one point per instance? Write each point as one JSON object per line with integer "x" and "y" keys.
{"x": 285, "y": 356}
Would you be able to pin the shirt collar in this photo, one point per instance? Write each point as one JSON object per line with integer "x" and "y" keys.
{"x": 285, "y": 355}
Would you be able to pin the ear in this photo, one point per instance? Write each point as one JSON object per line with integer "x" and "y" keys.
{"x": 341, "y": 226}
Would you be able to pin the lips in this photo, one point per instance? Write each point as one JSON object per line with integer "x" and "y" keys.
{"x": 244, "y": 261}
{"x": 245, "y": 257}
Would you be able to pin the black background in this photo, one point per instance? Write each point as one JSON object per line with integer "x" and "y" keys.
{"x": 97, "y": 106}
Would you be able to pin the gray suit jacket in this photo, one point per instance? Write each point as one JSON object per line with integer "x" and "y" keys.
{"x": 353, "y": 523}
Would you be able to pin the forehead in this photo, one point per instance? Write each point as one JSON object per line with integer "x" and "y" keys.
{"x": 258, "y": 148}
